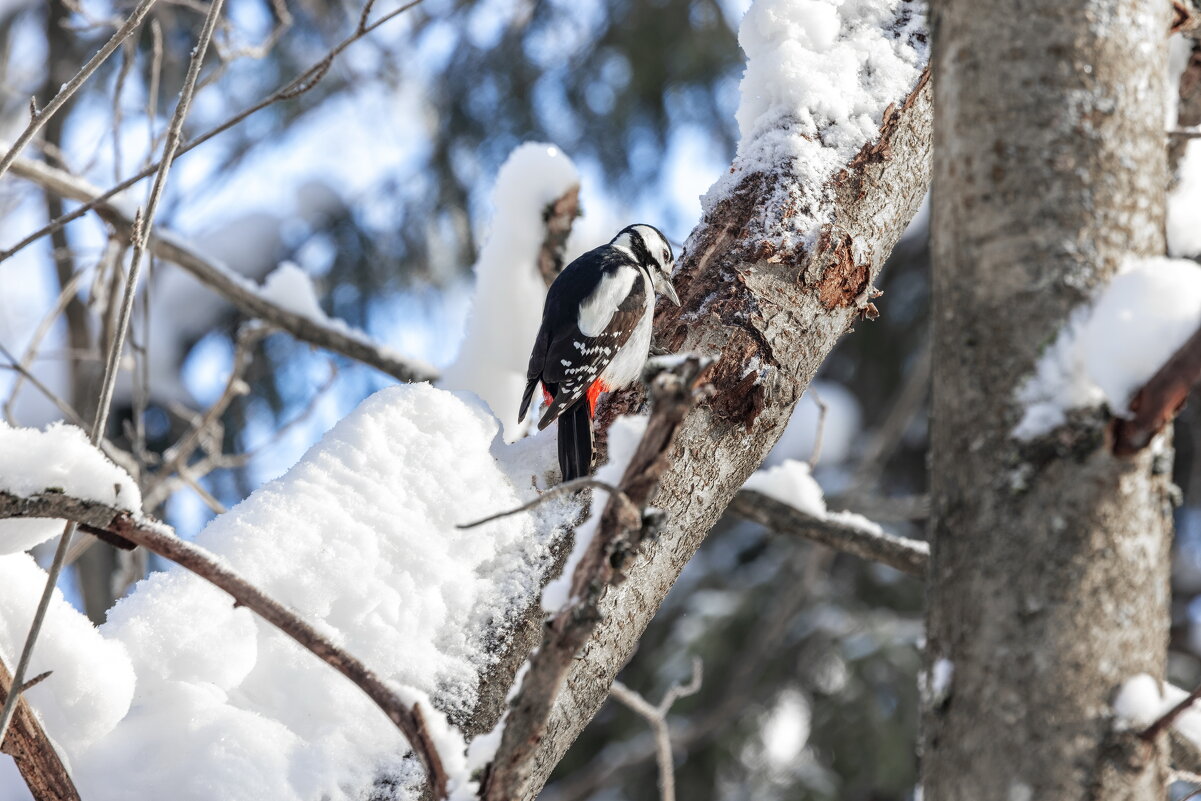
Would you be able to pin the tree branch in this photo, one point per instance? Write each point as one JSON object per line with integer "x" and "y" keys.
{"x": 31, "y": 749}
{"x": 1159, "y": 399}
{"x": 619, "y": 534}
{"x": 39, "y": 116}
{"x": 234, "y": 288}
{"x": 908, "y": 556}
{"x": 294, "y": 88}
{"x": 102, "y": 520}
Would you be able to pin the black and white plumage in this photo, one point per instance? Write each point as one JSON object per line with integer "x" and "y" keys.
{"x": 596, "y": 334}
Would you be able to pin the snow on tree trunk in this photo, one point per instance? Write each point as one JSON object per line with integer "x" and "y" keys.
{"x": 1049, "y": 568}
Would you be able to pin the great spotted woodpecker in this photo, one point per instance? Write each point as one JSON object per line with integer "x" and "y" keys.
{"x": 596, "y": 334}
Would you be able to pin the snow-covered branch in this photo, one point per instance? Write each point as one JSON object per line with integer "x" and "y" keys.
{"x": 602, "y": 553}
{"x": 116, "y": 524}
{"x": 847, "y": 533}
{"x": 331, "y": 335}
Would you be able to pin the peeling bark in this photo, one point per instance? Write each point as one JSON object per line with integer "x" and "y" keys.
{"x": 1049, "y": 563}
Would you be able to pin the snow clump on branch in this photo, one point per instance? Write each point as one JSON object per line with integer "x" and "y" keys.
{"x": 360, "y": 539}
{"x": 58, "y": 459}
{"x": 820, "y": 75}
{"x": 1109, "y": 349}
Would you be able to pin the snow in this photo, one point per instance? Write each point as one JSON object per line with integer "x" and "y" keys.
{"x": 361, "y": 539}
{"x": 1142, "y": 700}
{"x": 1184, "y": 205}
{"x": 1110, "y": 348}
{"x": 83, "y": 699}
{"x": 934, "y": 685}
{"x": 509, "y": 289}
{"x": 58, "y": 458}
{"x": 786, "y": 729}
{"x": 819, "y": 76}
{"x": 290, "y": 287}
{"x": 624, "y": 436}
{"x": 790, "y": 482}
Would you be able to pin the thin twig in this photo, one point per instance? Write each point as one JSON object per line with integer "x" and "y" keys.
{"x": 233, "y": 287}
{"x": 157, "y": 538}
{"x": 39, "y": 117}
{"x": 303, "y": 82}
{"x": 585, "y": 482}
{"x": 65, "y": 296}
{"x": 656, "y": 717}
{"x": 142, "y": 226}
{"x": 822, "y": 411}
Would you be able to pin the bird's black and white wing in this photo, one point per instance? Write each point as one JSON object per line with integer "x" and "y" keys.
{"x": 583, "y": 330}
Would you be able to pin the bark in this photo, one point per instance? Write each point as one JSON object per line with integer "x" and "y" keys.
{"x": 1049, "y": 564}
{"x": 769, "y": 319}
{"x": 34, "y": 754}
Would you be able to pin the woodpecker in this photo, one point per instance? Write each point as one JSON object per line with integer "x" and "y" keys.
{"x": 596, "y": 334}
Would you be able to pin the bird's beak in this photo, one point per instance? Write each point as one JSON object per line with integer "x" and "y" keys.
{"x": 669, "y": 291}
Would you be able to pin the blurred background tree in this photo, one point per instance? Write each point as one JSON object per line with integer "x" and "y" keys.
{"x": 376, "y": 184}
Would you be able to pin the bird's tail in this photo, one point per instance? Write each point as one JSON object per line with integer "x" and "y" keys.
{"x": 526, "y": 397}
{"x": 575, "y": 441}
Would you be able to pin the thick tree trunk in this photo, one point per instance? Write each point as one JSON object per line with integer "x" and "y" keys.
{"x": 1049, "y": 568}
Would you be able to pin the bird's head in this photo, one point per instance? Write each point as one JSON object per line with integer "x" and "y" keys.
{"x": 650, "y": 249}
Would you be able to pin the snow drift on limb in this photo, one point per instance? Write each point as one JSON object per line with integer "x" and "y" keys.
{"x": 359, "y": 538}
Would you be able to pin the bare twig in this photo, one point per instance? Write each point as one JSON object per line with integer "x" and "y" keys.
{"x": 575, "y": 484}
{"x": 906, "y": 555}
{"x": 101, "y": 519}
{"x": 233, "y": 287}
{"x": 618, "y": 536}
{"x": 794, "y": 592}
{"x": 656, "y": 716}
{"x": 1159, "y": 399}
{"x": 822, "y": 411}
{"x": 141, "y": 233}
{"x": 39, "y": 116}
{"x": 44, "y": 326}
{"x": 302, "y": 83}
